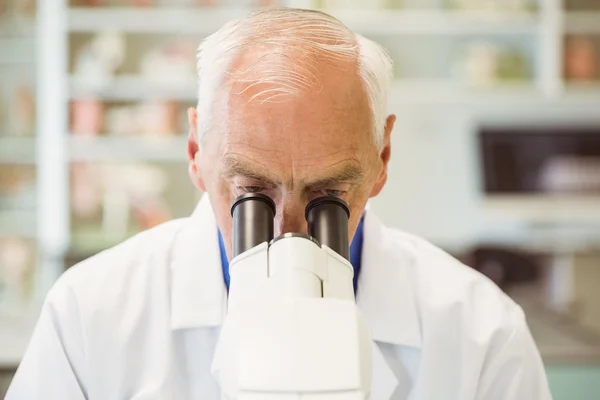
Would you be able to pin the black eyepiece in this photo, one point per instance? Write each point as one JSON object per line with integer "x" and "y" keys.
{"x": 253, "y": 215}
{"x": 327, "y": 219}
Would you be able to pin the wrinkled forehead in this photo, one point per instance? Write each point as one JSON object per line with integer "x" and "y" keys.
{"x": 294, "y": 101}
{"x": 279, "y": 73}
{"x": 269, "y": 112}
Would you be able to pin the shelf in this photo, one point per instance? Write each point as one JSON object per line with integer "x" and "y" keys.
{"x": 99, "y": 149}
{"x": 545, "y": 209}
{"x": 583, "y": 91}
{"x": 150, "y": 20}
{"x": 370, "y": 22}
{"x": 439, "y": 22}
{"x": 581, "y": 22}
{"x": 432, "y": 92}
{"x": 17, "y": 51}
{"x": 17, "y": 26}
{"x": 17, "y": 150}
{"x": 136, "y": 88}
{"x": 18, "y": 223}
{"x": 440, "y": 92}
{"x": 404, "y": 92}
{"x": 133, "y": 87}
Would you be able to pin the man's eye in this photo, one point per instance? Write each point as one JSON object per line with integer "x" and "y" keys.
{"x": 251, "y": 189}
{"x": 333, "y": 192}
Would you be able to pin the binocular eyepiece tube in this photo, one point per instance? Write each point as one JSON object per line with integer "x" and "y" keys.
{"x": 327, "y": 219}
{"x": 253, "y": 215}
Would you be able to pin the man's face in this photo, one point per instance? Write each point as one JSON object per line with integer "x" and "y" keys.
{"x": 293, "y": 151}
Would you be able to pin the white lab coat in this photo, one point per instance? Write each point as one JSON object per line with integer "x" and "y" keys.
{"x": 140, "y": 321}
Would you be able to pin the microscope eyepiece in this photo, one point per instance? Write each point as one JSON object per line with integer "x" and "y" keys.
{"x": 253, "y": 215}
{"x": 327, "y": 219}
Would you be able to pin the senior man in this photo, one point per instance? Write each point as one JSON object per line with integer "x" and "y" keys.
{"x": 292, "y": 105}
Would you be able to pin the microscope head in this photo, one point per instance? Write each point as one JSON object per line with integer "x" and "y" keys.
{"x": 295, "y": 264}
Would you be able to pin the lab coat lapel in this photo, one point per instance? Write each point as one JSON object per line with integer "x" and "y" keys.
{"x": 386, "y": 300}
{"x": 384, "y": 382}
{"x": 385, "y": 295}
{"x": 198, "y": 293}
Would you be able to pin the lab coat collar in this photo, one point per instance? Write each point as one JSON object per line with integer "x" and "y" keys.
{"x": 385, "y": 295}
{"x": 198, "y": 293}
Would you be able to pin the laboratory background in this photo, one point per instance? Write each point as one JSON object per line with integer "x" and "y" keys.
{"x": 495, "y": 157}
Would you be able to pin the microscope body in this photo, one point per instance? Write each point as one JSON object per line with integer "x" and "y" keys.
{"x": 292, "y": 330}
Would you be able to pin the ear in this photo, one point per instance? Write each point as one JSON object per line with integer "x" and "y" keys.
{"x": 194, "y": 152}
{"x": 384, "y": 156}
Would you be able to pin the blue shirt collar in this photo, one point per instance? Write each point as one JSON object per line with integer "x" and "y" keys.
{"x": 355, "y": 254}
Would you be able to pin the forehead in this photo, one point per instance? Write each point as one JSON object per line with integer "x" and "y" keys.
{"x": 330, "y": 119}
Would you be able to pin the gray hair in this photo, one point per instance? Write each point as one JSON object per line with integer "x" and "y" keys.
{"x": 315, "y": 34}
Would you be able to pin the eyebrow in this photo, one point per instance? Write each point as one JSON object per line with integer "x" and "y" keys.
{"x": 350, "y": 172}
{"x": 234, "y": 167}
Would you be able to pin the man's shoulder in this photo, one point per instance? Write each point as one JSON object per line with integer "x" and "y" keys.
{"x": 448, "y": 291}
{"x": 141, "y": 258}
{"x": 465, "y": 322}
{"x": 431, "y": 264}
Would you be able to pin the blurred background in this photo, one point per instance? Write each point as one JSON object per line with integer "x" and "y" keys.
{"x": 496, "y": 153}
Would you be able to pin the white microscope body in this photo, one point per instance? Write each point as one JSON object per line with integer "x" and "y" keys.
{"x": 292, "y": 330}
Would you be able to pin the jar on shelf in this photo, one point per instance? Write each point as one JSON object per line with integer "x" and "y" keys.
{"x": 87, "y": 117}
{"x": 581, "y": 59}
{"x": 16, "y": 272}
{"x": 23, "y": 112}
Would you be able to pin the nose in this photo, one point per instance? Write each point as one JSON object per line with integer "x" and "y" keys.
{"x": 289, "y": 217}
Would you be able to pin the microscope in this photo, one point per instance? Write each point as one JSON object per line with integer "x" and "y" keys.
{"x": 293, "y": 330}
